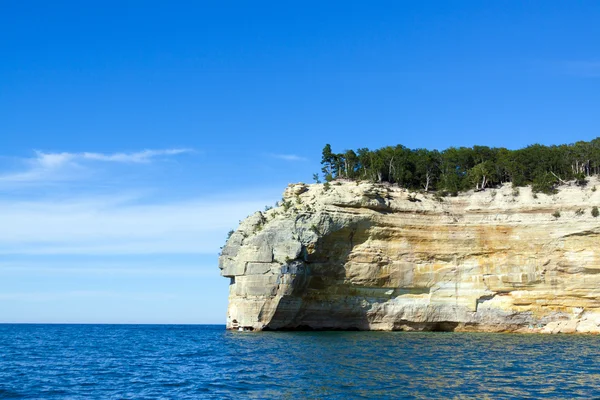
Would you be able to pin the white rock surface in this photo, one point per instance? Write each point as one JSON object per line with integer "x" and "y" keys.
{"x": 367, "y": 256}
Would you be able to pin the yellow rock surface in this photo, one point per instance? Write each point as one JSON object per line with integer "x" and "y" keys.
{"x": 367, "y": 256}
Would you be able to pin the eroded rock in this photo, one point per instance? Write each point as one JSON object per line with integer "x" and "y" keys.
{"x": 367, "y": 256}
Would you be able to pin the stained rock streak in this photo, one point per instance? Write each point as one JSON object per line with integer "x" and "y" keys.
{"x": 375, "y": 257}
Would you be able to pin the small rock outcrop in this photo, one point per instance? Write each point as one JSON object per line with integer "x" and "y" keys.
{"x": 354, "y": 255}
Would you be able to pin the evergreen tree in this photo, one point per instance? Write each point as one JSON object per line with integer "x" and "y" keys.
{"x": 458, "y": 169}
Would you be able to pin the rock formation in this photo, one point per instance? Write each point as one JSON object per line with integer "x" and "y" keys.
{"x": 357, "y": 255}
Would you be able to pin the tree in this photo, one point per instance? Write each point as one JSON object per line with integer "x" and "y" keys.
{"x": 327, "y": 161}
{"x": 580, "y": 178}
{"x": 364, "y": 161}
{"x": 544, "y": 182}
{"x": 403, "y": 166}
{"x": 427, "y": 165}
{"x": 480, "y": 174}
{"x": 455, "y": 164}
{"x": 350, "y": 164}
{"x": 458, "y": 169}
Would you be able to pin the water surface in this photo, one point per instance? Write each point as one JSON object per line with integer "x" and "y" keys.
{"x": 154, "y": 361}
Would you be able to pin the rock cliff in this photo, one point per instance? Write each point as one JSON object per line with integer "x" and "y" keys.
{"x": 376, "y": 257}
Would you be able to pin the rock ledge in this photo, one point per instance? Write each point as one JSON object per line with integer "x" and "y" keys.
{"x": 375, "y": 257}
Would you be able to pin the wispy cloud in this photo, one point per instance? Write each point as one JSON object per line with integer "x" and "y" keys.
{"x": 46, "y": 166}
{"x": 108, "y": 226}
{"x": 144, "y": 156}
{"x": 104, "y": 294}
{"x": 288, "y": 157}
{"x": 585, "y": 69}
{"x": 97, "y": 269}
{"x": 75, "y": 219}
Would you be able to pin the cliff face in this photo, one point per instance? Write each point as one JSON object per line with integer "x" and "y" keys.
{"x": 366, "y": 256}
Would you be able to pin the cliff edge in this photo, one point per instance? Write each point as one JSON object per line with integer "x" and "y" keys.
{"x": 357, "y": 255}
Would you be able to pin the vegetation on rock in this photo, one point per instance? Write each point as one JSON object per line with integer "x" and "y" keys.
{"x": 459, "y": 169}
{"x": 556, "y": 214}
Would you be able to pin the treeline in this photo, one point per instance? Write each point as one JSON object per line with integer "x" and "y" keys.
{"x": 459, "y": 169}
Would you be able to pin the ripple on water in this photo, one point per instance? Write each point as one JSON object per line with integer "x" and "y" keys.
{"x": 87, "y": 361}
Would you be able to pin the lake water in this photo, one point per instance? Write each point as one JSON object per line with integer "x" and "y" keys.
{"x": 162, "y": 361}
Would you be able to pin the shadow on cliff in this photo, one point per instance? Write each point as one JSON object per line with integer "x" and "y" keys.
{"x": 322, "y": 299}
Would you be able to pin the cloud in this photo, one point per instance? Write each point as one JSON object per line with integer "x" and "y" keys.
{"x": 288, "y": 157}
{"x": 585, "y": 69}
{"x": 100, "y": 269}
{"x": 120, "y": 226}
{"x": 53, "y": 160}
{"x": 67, "y": 166}
{"x": 137, "y": 157}
{"x": 103, "y": 294}
{"x": 96, "y": 217}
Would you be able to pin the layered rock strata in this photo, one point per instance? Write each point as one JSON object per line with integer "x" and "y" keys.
{"x": 376, "y": 257}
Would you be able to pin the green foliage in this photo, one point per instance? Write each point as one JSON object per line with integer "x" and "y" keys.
{"x": 286, "y": 204}
{"x": 315, "y": 229}
{"x": 328, "y": 161}
{"x": 481, "y": 174}
{"x": 231, "y": 232}
{"x": 544, "y": 183}
{"x": 516, "y": 192}
{"x": 580, "y": 179}
{"x": 298, "y": 200}
{"x": 412, "y": 197}
{"x": 267, "y": 208}
{"x": 326, "y": 186}
{"x": 595, "y": 212}
{"x": 316, "y": 178}
{"x": 556, "y": 214}
{"x": 594, "y": 189}
{"x": 259, "y": 226}
{"x": 458, "y": 169}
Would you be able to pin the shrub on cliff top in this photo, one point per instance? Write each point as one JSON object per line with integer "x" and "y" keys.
{"x": 595, "y": 212}
{"x": 286, "y": 205}
{"x": 556, "y": 214}
{"x": 544, "y": 183}
{"x": 580, "y": 179}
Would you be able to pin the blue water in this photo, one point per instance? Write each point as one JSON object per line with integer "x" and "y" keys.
{"x": 149, "y": 362}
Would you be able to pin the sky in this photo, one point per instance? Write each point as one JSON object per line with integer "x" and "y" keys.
{"x": 135, "y": 134}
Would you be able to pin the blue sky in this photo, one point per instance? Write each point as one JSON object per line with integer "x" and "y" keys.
{"x": 134, "y": 135}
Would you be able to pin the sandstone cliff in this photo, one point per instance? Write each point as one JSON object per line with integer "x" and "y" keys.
{"x": 367, "y": 256}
